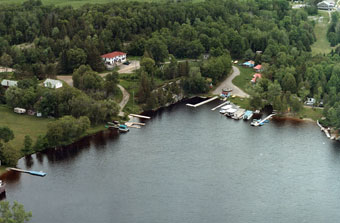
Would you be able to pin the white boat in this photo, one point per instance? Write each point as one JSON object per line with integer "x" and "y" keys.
{"x": 230, "y": 112}
{"x": 224, "y": 109}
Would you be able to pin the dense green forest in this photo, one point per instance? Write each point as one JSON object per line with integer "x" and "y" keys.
{"x": 42, "y": 41}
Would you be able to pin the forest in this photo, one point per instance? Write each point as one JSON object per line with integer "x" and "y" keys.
{"x": 41, "y": 41}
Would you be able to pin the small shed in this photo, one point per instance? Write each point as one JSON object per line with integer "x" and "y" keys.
{"x": 51, "y": 83}
{"x": 9, "y": 83}
{"x": 255, "y": 77}
{"x": 20, "y": 110}
{"x": 258, "y": 68}
{"x": 249, "y": 63}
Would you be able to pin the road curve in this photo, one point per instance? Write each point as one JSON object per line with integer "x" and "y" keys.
{"x": 228, "y": 83}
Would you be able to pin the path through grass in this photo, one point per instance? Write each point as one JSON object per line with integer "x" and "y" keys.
{"x": 322, "y": 44}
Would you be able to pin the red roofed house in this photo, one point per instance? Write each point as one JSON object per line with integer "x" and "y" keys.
{"x": 258, "y": 68}
{"x": 114, "y": 57}
{"x": 255, "y": 76}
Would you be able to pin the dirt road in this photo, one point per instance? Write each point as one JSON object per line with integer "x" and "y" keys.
{"x": 123, "y": 69}
{"x": 227, "y": 83}
{"x": 125, "y": 99}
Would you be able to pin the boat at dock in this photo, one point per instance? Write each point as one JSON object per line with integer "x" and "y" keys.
{"x": 225, "y": 108}
{"x": 239, "y": 114}
{"x": 123, "y": 128}
{"x": 230, "y": 112}
{"x": 247, "y": 115}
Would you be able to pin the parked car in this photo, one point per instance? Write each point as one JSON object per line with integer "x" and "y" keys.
{"x": 126, "y": 62}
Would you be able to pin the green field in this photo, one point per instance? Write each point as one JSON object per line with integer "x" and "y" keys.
{"x": 322, "y": 44}
{"x": 22, "y": 125}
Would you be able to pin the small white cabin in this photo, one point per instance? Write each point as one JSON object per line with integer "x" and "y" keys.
{"x": 51, "y": 83}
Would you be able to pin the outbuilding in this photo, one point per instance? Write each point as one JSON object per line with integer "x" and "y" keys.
{"x": 9, "y": 83}
{"x": 51, "y": 83}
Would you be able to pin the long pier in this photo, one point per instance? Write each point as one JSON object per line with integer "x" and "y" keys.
{"x": 213, "y": 109}
{"x": 262, "y": 121}
{"x": 323, "y": 129}
{"x": 203, "y": 102}
{"x": 140, "y": 116}
{"x": 36, "y": 173}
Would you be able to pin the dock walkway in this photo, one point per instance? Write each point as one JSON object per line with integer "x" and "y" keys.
{"x": 262, "y": 121}
{"x": 213, "y": 109}
{"x": 323, "y": 129}
{"x": 203, "y": 102}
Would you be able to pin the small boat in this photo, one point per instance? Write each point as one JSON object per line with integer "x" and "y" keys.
{"x": 247, "y": 115}
{"x": 2, "y": 187}
{"x": 257, "y": 122}
{"x": 224, "y": 109}
{"x": 37, "y": 173}
{"x": 123, "y": 128}
{"x": 230, "y": 112}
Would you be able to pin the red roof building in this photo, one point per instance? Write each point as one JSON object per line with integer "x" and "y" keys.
{"x": 255, "y": 76}
{"x": 114, "y": 57}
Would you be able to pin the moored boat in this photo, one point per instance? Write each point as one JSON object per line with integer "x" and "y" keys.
{"x": 248, "y": 115}
{"x": 230, "y": 112}
{"x": 123, "y": 128}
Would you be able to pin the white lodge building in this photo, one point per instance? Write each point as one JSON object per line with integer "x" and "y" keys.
{"x": 114, "y": 57}
{"x": 327, "y": 5}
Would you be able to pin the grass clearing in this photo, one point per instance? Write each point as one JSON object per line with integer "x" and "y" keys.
{"x": 242, "y": 102}
{"x": 313, "y": 113}
{"x": 322, "y": 44}
{"x": 243, "y": 80}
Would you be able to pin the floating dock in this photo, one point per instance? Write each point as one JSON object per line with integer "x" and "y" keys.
{"x": 323, "y": 129}
{"x": 203, "y": 102}
{"x": 262, "y": 121}
{"x": 140, "y": 116}
{"x": 36, "y": 173}
{"x": 213, "y": 109}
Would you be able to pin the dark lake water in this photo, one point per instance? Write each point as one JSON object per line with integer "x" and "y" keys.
{"x": 187, "y": 165}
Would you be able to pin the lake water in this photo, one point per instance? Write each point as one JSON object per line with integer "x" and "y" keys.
{"x": 187, "y": 165}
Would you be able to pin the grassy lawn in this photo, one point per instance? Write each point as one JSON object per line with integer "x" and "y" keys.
{"x": 313, "y": 113}
{"x": 22, "y": 125}
{"x": 243, "y": 80}
{"x": 242, "y": 102}
{"x": 132, "y": 88}
{"x": 321, "y": 45}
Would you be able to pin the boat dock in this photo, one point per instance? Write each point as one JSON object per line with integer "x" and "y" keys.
{"x": 239, "y": 114}
{"x": 203, "y": 102}
{"x": 36, "y": 173}
{"x": 323, "y": 129}
{"x": 140, "y": 116}
{"x": 213, "y": 109}
{"x": 263, "y": 120}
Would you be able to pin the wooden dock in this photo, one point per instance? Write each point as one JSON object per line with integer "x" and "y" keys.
{"x": 323, "y": 129}
{"x": 203, "y": 102}
{"x": 140, "y": 116}
{"x": 262, "y": 121}
{"x": 35, "y": 173}
{"x": 213, "y": 109}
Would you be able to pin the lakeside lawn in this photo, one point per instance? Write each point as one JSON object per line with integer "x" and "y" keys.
{"x": 22, "y": 125}
{"x": 243, "y": 80}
